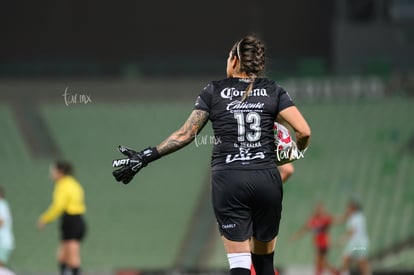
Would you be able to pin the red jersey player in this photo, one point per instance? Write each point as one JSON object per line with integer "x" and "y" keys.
{"x": 319, "y": 223}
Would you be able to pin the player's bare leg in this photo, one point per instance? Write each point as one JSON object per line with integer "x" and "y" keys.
{"x": 236, "y": 247}
{"x": 332, "y": 269}
{"x": 69, "y": 255}
{"x": 320, "y": 263}
{"x": 346, "y": 262}
{"x": 364, "y": 267}
{"x": 262, "y": 248}
{"x": 262, "y": 256}
{"x": 61, "y": 258}
{"x": 72, "y": 248}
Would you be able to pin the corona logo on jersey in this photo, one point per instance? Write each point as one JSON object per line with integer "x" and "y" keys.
{"x": 229, "y": 93}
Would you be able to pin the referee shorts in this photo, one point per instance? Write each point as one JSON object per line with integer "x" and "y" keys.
{"x": 72, "y": 227}
{"x": 247, "y": 203}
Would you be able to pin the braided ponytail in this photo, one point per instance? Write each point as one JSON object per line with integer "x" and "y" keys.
{"x": 251, "y": 54}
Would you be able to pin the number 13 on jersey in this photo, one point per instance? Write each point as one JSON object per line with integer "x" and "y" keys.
{"x": 252, "y": 121}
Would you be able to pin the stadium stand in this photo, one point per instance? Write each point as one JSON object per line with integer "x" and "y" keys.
{"x": 401, "y": 261}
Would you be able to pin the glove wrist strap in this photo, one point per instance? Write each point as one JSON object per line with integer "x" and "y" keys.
{"x": 150, "y": 154}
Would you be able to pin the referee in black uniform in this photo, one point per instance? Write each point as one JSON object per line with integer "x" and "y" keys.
{"x": 246, "y": 185}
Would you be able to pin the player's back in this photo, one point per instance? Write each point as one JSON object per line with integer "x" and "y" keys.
{"x": 357, "y": 224}
{"x": 243, "y": 129}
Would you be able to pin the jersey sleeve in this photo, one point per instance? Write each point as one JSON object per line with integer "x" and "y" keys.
{"x": 285, "y": 100}
{"x": 57, "y": 207}
{"x": 203, "y": 101}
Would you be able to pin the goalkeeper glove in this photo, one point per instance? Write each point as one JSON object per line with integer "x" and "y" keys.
{"x": 134, "y": 162}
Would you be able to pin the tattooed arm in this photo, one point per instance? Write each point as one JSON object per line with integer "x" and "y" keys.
{"x": 185, "y": 134}
{"x": 135, "y": 161}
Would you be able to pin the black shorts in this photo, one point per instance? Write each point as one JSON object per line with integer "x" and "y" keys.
{"x": 247, "y": 203}
{"x": 72, "y": 227}
{"x": 322, "y": 250}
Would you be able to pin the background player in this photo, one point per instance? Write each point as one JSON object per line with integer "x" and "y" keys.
{"x": 356, "y": 239}
{"x": 68, "y": 202}
{"x": 246, "y": 186}
{"x": 6, "y": 233}
{"x": 319, "y": 224}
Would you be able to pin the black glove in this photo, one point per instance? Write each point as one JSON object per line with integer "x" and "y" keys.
{"x": 134, "y": 162}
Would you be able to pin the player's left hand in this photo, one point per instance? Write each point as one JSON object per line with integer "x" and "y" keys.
{"x": 295, "y": 153}
{"x": 40, "y": 225}
{"x": 134, "y": 162}
{"x": 130, "y": 166}
{"x": 289, "y": 154}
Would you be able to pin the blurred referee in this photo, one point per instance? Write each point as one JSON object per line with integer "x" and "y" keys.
{"x": 68, "y": 202}
{"x": 246, "y": 184}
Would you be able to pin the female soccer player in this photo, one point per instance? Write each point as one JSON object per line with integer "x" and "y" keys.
{"x": 246, "y": 185}
{"x": 319, "y": 223}
{"x": 68, "y": 202}
{"x": 356, "y": 239}
{"x": 6, "y": 232}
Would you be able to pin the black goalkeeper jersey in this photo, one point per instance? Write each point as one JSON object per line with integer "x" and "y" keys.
{"x": 243, "y": 130}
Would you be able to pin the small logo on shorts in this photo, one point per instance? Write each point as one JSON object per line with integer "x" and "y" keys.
{"x": 228, "y": 226}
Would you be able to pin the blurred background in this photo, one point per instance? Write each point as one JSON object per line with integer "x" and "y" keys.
{"x": 78, "y": 78}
